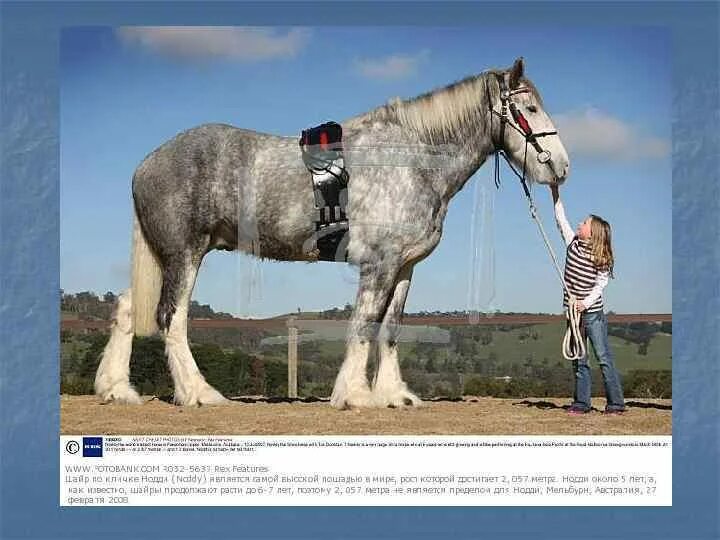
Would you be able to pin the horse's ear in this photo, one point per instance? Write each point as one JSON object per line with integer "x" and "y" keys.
{"x": 516, "y": 73}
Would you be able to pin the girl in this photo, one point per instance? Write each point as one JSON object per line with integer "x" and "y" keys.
{"x": 588, "y": 265}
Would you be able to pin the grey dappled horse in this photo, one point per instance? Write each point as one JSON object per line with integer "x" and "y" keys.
{"x": 219, "y": 187}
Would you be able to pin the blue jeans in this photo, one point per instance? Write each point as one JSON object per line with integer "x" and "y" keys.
{"x": 595, "y": 327}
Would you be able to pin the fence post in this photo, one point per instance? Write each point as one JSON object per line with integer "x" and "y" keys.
{"x": 292, "y": 357}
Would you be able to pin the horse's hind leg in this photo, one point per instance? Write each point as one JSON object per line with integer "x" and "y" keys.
{"x": 179, "y": 273}
{"x": 112, "y": 381}
{"x": 389, "y": 388}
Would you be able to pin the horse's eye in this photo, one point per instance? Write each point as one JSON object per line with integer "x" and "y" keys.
{"x": 532, "y": 108}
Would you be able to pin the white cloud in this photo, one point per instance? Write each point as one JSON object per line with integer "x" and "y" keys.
{"x": 594, "y": 133}
{"x": 196, "y": 42}
{"x": 393, "y": 67}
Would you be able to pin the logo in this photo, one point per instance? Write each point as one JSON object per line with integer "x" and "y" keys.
{"x": 72, "y": 447}
{"x": 92, "y": 447}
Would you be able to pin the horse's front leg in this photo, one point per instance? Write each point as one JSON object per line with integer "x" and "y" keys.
{"x": 389, "y": 389}
{"x": 351, "y": 386}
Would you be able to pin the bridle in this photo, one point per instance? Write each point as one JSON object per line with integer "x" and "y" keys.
{"x": 522, "y": 126}
{"x": 574, "y": 341}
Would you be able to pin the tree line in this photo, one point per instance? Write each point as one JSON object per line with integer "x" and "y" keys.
{"x": 235, "y": 372}
{"x": 88, "y": 305}
{"x": 237, "y": 362}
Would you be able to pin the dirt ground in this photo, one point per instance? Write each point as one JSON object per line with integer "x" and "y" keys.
{"x": 471, "y": 416}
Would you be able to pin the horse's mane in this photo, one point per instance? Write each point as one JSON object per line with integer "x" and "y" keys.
{"x": 456, "y": 108}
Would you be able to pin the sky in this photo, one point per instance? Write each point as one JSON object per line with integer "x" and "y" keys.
{"x": 125, "y": 91}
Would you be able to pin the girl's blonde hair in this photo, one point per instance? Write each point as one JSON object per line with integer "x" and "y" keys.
{"x": 601, "y": 244}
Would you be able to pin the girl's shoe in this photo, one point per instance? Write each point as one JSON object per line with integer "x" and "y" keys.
{"x": 614, "y": 412}
{"x": 572, "y": 411}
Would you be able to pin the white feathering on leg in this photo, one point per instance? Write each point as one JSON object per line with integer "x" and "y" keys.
{"x": 112, "y": 381}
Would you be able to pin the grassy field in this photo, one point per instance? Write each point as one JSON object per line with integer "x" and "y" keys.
{"x": 510, "y": 347}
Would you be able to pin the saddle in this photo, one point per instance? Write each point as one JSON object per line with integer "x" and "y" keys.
{"x": 322, "y": 154}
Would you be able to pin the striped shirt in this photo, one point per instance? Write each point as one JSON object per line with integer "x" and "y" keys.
{"x": 582, "y": 277}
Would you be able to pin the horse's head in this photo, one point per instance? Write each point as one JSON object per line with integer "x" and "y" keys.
{"x": 522, "y": 128}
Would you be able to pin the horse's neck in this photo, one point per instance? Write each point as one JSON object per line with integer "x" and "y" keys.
{"x": 473, "y": 153}
{"x": 468, "y": 147}
{"x": 473, "y": 144}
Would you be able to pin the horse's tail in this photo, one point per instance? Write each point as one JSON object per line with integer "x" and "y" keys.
{"x": 146, "y": 283}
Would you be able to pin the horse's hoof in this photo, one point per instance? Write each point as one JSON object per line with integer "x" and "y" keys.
{"x": 207, "y": 395}
{"x": 210, "y": 396}
{"x": 397, "y": 399}
{"x": 121, "y": 393}
{"x": 353, "y": 400}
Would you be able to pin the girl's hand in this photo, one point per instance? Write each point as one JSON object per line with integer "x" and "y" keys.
{"x": 579, "y": 307}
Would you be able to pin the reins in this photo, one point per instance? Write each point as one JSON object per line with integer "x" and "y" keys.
{"x": 573, "y": 346}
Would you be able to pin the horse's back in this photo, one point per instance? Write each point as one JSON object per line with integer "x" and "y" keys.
{"x": 204, "y": 154}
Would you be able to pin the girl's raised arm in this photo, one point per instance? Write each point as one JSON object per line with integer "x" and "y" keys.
{"x": 562, "y": 223}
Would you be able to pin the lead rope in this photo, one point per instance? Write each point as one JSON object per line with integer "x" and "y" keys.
{"x": 573, "y": 345}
